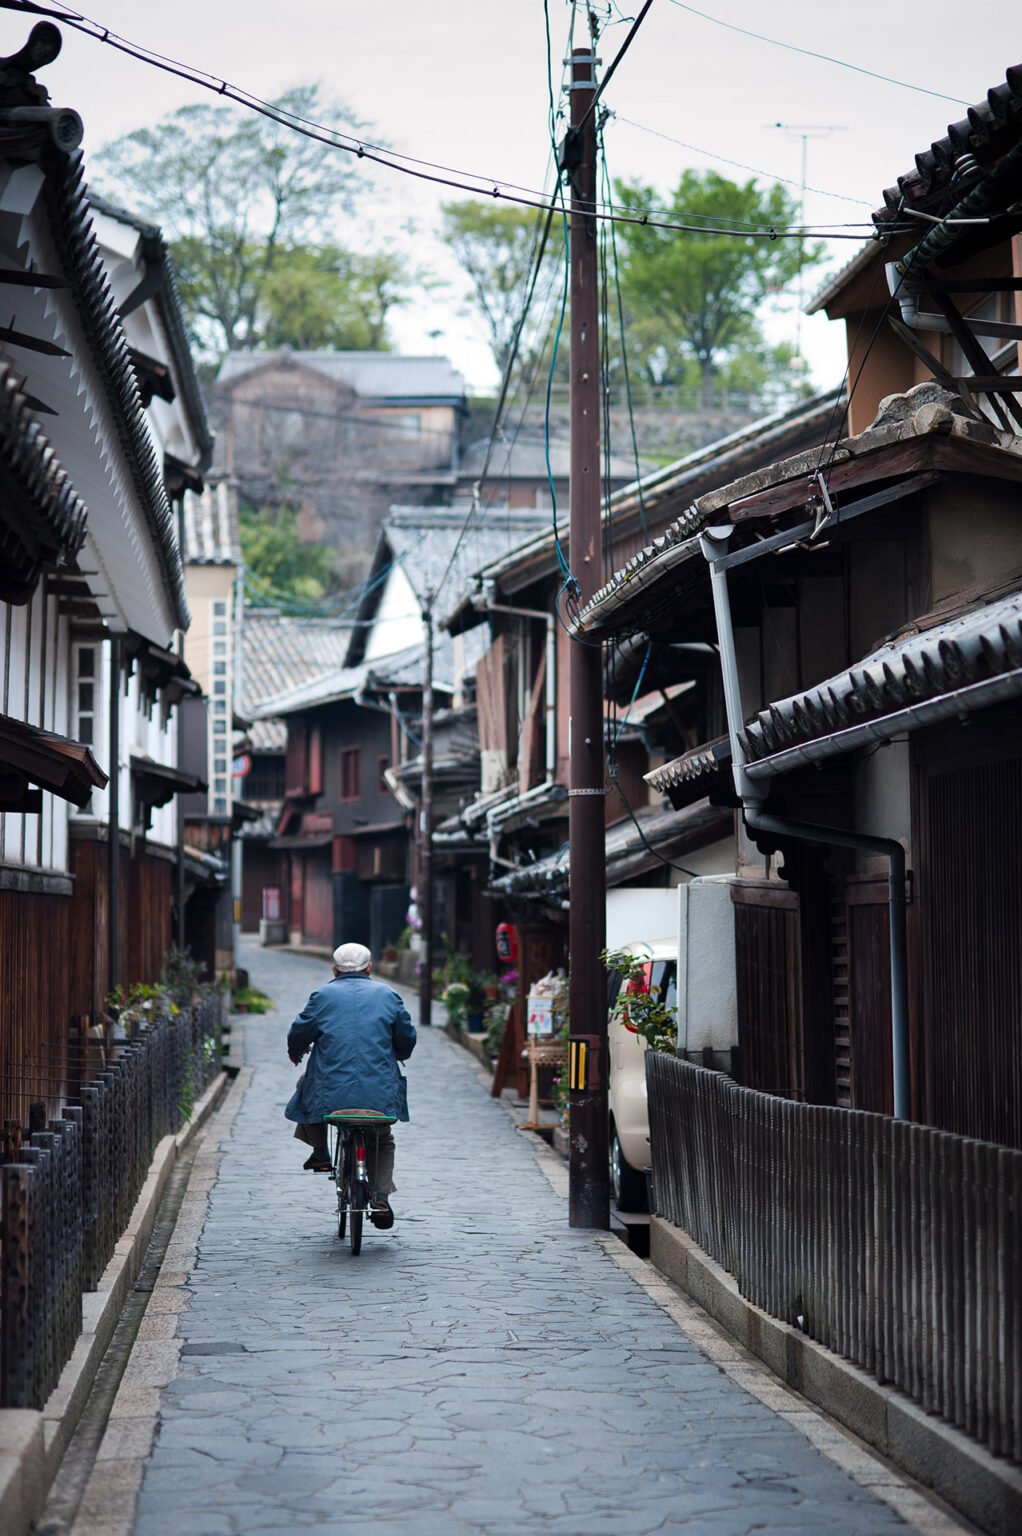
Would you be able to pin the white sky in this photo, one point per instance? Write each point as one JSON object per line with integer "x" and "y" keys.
{"x": 463, "y": 82}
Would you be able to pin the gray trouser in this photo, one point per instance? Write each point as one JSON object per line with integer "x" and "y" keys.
{"x": 379, "y": 1153}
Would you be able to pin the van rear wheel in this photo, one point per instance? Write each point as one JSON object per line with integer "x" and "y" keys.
{"x": 627, "y": 1185}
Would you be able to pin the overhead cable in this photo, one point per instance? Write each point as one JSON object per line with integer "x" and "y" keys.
{"x": 810, "y": 53}
{"x": 422, "y": 170}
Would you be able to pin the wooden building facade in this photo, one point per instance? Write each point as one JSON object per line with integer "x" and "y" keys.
{"x": 867, "y": 601}
{"x": 91, "y": 592}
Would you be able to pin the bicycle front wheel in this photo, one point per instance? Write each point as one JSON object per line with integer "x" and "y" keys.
{"x": 355, "y": 1234}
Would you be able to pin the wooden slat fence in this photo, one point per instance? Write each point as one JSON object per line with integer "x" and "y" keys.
{"x": 894, "y": 1244}
{"x": 67, "y": 1191}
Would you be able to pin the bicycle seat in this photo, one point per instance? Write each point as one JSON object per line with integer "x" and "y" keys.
{"x": 358, "y": 1117}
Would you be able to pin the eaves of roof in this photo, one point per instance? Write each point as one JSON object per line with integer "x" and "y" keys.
{"x": 689, "y": 476}
{"x": 168, "y": 299}
{"x": 46, "y": 518}
{"x": 840, "y": 280}
{"x": 920, "y": 430}
{"x": 691, "y": 776}
{"x": 985, "y": 134}
{"x": 77, "y": 250}
{"x": 629, "y": 850}
{"x": 55, "y": 763}
{"x": 949, "y": 669}
{"x": 403, "y": 669}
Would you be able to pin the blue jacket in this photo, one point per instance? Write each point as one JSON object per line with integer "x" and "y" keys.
{"x": 359, "y": 1030}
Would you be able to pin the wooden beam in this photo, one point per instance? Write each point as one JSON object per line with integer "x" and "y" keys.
{"x": 884, "y": 463}
{"x": 978, "y": 359}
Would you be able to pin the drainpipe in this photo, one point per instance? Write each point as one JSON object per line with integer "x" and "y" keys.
{"x": 713, "y": 543}
{"x": 114, "y": 828}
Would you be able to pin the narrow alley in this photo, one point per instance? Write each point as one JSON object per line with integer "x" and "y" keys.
{"x": 481, "y": 1368}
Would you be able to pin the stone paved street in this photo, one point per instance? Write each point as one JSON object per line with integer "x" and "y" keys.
{"x": 479, "y": 1369}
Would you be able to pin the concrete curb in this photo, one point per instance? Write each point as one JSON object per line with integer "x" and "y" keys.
{"x": 32, "y": 1441}
{"x": 474, "y": 1044}
{"x": 982, "y": 1487}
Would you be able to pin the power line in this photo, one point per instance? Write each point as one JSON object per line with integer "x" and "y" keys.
{"x": 629, "y": 39}
{"x": 810, "y": 53}
{"x": 624, "y": 356}
{"x": 739, "y": 165}
{"x": 408, "y": 165}
{"x": 505, "y": 384}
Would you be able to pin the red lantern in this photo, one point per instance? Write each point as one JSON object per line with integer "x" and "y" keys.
{"x": 507, "y": 943}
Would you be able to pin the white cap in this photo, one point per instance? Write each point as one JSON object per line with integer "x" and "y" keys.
{"x": 352, "y": 957}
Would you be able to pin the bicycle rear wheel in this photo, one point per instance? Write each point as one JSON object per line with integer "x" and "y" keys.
{"x": 341, "y": 1180}
{"x": 357, "y": 1189}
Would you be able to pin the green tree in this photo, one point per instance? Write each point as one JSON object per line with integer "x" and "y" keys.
{"x": 696, "y": 298}
{"x": 282, "y": 566}
{"x": 495, "y": 244}
{"x": 234, "y": 192}
{"x": 322, "y": 296}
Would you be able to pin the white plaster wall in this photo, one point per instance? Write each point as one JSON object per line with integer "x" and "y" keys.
{"x": 398, "y": 623}
{"x": 33, "y": 669}
{"x": 707, "y": 986}
{"x": 639, "y": 913}
{"x": 883, "y": 805}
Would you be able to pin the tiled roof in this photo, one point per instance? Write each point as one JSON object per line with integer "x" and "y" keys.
{"x": 523, "y": 457}
{"x": 697, "y": 472}
{"x": 78, "y": 258}
{"x": 405, "y": 669}
{"x": 629, "y": 850}
{"x": 439, "y": 550}
{"x": 987, "y": 132}
{"x": 372, "y": 375}
{"x": 925, "y": 411}
{"x": 211, "y": 526}
{"x": 281, "y": 653}
{"x": 686, "y": 777}
{"x": 48, "y": 519}
{"x": 976, "y": 657}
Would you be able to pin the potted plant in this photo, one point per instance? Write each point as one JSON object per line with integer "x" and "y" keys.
{"x": 455, "y": 999}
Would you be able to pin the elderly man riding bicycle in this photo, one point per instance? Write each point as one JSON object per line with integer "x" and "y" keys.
{"x": 357, "y": 1031}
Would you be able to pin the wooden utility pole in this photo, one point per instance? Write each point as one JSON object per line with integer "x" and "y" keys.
{"x": 425, "y": 892}
{"x": 589, "y": 1187}
{"x": 114, "y": 829}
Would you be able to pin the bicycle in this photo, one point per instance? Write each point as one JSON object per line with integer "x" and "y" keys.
{"x": 350, "y": 1172}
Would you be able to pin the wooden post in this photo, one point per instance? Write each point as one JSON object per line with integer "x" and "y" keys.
{"x": 426, "y": 825}
{"x": 589, "y": 1184}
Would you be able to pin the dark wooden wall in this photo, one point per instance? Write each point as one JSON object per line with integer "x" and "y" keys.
{"x": 146, "y": 920}
{"x": 317, "y": 896}
{"x": 970, "y": 897}
{"x": 150, "y": 916}
{"x": 769, "y": 1001}
{"x": 869, "y": 988}
{"x": 35, "y": 999}
{"x": 261, "y": 866}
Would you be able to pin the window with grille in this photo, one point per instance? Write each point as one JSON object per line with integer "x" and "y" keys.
{"x": 85, "y": 695}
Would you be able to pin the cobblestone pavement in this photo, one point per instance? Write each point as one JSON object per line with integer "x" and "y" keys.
{"x": 479, "y": 1369}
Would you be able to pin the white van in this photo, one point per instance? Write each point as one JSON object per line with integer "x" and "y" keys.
{"x": 629, "y": 1115}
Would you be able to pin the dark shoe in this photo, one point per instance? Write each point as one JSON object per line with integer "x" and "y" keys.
{"x": 380, "y": 1214}
{"x": 318, "y": 1164}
